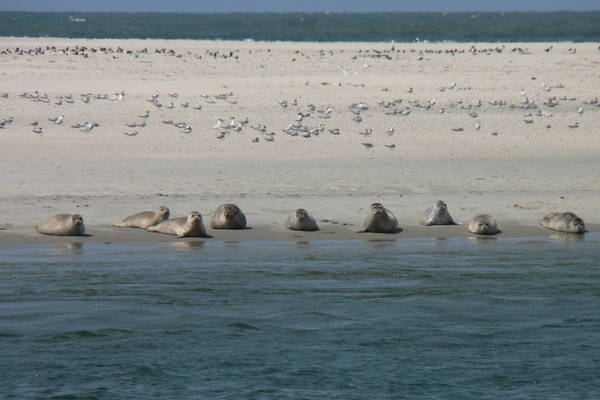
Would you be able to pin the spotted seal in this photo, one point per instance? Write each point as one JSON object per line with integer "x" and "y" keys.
{"x": 228, "y": 216}
{"x": 144, "y": 219}
{"x": 190, "y": 226}
{"x": 300, "y": 220}
{"x": 564, "y": 222}
{"x": 437, "y": 215}
{"x": 483, "y": 224}
{"x": 380, "y": 220}
{"x": 62, "y": 225}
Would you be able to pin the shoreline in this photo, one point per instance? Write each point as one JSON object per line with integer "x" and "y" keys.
{"x": 273, "y": 127}
{"x": 22, "y": 235}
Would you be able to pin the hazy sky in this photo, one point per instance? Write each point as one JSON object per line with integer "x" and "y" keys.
{"x": 302, "y": 5}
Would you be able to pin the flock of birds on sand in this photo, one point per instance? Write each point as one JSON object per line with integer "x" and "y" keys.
{"x": 310, "y": 120}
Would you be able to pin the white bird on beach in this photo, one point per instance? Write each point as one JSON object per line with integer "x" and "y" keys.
{"x": 88, "y": 126}
{"x": 145, "y": 115}
{"x": 57, "y": 120}
{"x": 219, "y": 124}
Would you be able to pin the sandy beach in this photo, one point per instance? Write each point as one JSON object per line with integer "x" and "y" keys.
{"x": 506, "y": 129}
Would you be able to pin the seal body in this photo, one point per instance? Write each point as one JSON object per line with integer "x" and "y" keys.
{"x": 228, "y": 216}
{"x": 483, "y": 224}
{"x": 300, "y": 220}
{"x": 62, "y": 225}
{"x": 190, "y": 226}
{"x": 144, "y": 219}
{"x": 564, "y": 222}
{"x": 437, "y": 215}
{"x": 380, "y": 220}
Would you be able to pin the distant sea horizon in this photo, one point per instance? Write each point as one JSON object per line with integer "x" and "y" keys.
{"x": 498, "y": 27}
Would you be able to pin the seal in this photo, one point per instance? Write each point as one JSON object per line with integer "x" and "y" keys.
{"x": 228, "y": 216}
{"x": 483, "y": 224}
{"x": 190, "y": 226}
{"x": 437, "y": 215}
{"x": 300, "y": 220}
{"x": 144, "y": 219}
{"x": 62, "y": 225}
{"x": 564, "y": 222}
{"x": 380, "y": 220}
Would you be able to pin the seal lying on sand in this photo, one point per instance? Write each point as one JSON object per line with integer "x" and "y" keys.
{"x": 144, "y": 219}
{"x": 380, "y": 220}
{"x": 190, "y": 226}
{"x": 300, "y": 220}
{"x": 437, "y": 215}
{"x": 564, "y": 222}
{"x": 228, "y": 216}
{"x": 483, "y": 224}
{"x": 62, "y": 225}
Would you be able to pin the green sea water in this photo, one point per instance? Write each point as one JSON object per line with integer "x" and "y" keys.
{"x": 406, "y": 319}
{"x": 389, "y": 26}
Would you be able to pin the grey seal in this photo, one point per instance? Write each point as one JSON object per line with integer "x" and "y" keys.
{"x": 437, "y": 215}
{"x": 144, "y": 219}
{"x": 483, "y": 224}
{"x": 190, "y": 226}
{"x": 300, "y": 220}
{"x": 62, "y": 225}
{"x": 564, "y": 222}
{"x": 228, "y": 216}
{"x": 380, "y": 220}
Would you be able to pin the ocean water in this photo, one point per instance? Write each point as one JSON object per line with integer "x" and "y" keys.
{"x": 388, "y": 26}
{"x": 411, "y": 318}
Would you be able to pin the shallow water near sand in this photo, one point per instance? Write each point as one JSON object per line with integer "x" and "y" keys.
{"x": 413, "y": 318}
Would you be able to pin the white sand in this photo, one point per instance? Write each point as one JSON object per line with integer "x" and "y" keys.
{"x": 518, "y": 175}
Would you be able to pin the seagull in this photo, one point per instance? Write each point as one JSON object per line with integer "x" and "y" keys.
{"x": 219, "y": 124}
{"x": 366, "y": 132}
{"x": 283, "y": 103}
{"x": 477, "y": 125}
{"x": 367, "y": 145}
{"x": 134, "y": 133}
{"x": 458, "y": 129}
{"x": 188, "y": 129}
{"x": 145, "y": 115}
{"x": 34, "y": 123}
{"x": 269, "y": 139}
{"x": 575, "y": 125}
{"x": 88, "y": 126}
{"x": 255, "y": 140}
{"x": 334, "y": 131}
{"x": 58, "y": 120}
{"x": 391, "y": 131}
{"x": 391, "y": 146}
{"x": 580, "y": 110}
{"x": 37, "y": 130}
